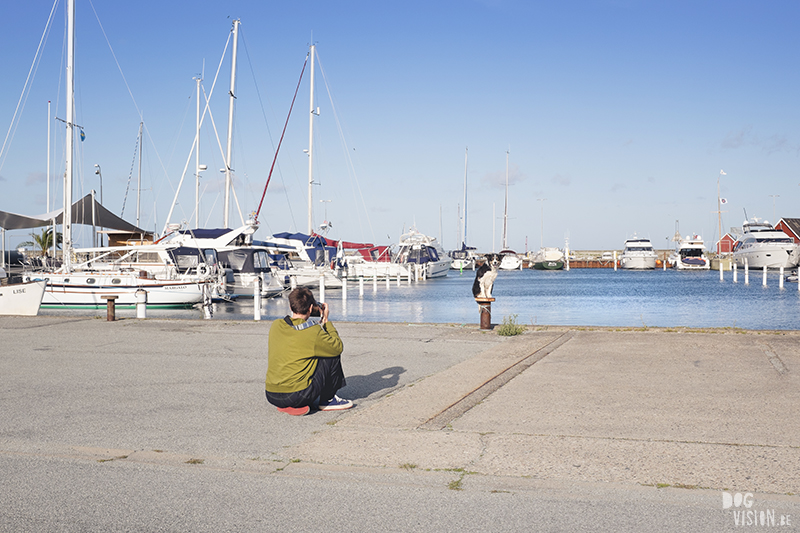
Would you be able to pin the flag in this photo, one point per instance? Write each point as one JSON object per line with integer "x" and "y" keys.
{"x": 722, "y": 172}
{"x": 83, "y": 136}
{"x": 723, "y": 201}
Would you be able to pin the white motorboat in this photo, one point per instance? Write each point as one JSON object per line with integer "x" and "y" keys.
{"x": 691, "y": 254}
{"x": 510, "y": 260}
{"x": 548, "y": 259}
{"x": 415, "y": 249}
{"x": 638, "y": 254}
{"x": 761, "y": 245}
{"x": 463, "y": 259}
{"x": 21, "y": 298}
{"x": 309, "y": 259}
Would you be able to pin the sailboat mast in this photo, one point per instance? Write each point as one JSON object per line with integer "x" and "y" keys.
{"x": 464, "y": 215}
{"x": 197, "y": 81}
{"x": 139, "y": 178}
{"x": 232, "y": 95}
{"x": 69, "y": 145}
{"x": 505, "y": 212}
{"x": 310, "y": 148}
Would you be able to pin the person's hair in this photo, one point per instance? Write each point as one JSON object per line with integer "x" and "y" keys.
{"x": 300, "y": 300}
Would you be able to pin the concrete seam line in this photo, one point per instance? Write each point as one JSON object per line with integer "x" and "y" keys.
{"x": 457, "y": 409}
{"x": 774, "y": 359}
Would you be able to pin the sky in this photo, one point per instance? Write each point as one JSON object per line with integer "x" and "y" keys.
{"x": 616, "y": 117}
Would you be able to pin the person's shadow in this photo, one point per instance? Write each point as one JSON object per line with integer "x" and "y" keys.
{"x": 359, "y": 387}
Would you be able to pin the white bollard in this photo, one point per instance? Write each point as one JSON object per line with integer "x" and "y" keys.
{"x": 206, "y": 303}
{"x": 735, "y": 278}
{"x": 615, "y": 260}
{"x": 375, "y": 281}
{"x": 344, "y": 288}
{"x": 721, "y": 270}
{"x": 398, "y": 279}
{"x": 361, "y": 286}
{"x": 746, "y": 272}
{"x": 780, "y": 283}
{"x": 322, "y": 287}
{"x": 257, "y": 299}
{"x": 764, "y": 282}
{"x": 293, "y": 282}
{"x": 664, "y": 264}
{"x": 141, "y": 303}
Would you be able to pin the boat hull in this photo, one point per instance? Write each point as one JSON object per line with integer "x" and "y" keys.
{"x": 637, "y": 263}
{"x": 22, "y": 299}
{"x": 88, "y": 289}
{"x": 548, "y": 265}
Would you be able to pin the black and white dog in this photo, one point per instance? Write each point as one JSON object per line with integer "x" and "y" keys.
{"x": 485, "y": 276}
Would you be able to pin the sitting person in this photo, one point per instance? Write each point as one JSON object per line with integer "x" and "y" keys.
{"x": 304, "y": 366}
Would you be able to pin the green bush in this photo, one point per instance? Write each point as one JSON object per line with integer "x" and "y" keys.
{"x": 509, "y": 327}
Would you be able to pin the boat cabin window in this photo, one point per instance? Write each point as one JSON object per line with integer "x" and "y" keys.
{"x": 210, "y": 255}
{"x": 186, "y": 261}
{"x": 237, "y": 259}
{"x": 116, "y": 281}
{"x": 90, "y": 281}
{"x": 261, "y": 260}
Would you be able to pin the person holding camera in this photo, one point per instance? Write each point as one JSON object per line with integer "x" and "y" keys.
{"x": 304, "y": 367}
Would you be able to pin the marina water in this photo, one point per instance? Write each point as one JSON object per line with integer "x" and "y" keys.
{"x": 578, "y": 297}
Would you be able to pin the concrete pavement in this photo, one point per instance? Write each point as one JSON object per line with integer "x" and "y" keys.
{"x": 612, "y": 414}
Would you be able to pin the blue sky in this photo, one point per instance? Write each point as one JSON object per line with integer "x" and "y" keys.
{"x": 620, "y": 114}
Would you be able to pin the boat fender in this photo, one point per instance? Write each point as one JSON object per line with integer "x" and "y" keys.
{"x": 202, "y": 269}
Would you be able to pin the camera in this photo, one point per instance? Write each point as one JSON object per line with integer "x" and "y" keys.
{"x": 317, "y": 309}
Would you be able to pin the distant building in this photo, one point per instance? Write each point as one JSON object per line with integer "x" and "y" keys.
{"x": 791, "y": 227}
{"x": 725, "y": 245}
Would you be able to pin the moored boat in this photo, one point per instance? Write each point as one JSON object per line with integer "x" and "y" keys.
{"x": 548, "y": 259}
{"x": 21, "y": 298}
{"x": 691, "y": 254}
{"x": 415, "y": 248}
{"x": 761, "y": 245}
{"x": 638, "y": 254}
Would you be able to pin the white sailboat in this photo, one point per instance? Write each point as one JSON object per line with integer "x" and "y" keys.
{"x": 464, "y": 257}
{"x": 510, "y": 260}
{"x": 20, "y": 298}
{"x": 70, "y": 286}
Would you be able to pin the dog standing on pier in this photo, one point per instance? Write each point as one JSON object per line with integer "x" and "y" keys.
{"x": 485, "y": 276}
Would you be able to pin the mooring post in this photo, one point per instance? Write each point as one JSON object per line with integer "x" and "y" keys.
{"x": 485, "y": 307}
{"x": 141, "y": 303}
{"x": 111, "y": 311}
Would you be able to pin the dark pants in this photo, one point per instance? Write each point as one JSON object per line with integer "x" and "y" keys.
{"x": 327, "y": 379}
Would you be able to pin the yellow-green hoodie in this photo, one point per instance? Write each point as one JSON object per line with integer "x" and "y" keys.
{"x": 293, "y": 354}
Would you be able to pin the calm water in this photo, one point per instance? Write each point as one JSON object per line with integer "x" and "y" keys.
{"x": 580, "y": 297}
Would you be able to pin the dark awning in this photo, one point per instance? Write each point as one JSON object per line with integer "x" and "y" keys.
{"x": 81, "y": 214}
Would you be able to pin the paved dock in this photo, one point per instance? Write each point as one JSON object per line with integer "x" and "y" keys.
{"x": 145, "y": 425}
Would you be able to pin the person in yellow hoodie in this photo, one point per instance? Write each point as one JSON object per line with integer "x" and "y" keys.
{"x": 304, "y": 367}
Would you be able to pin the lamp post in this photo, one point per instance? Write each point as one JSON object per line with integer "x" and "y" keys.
{"x": 99, "y": 172}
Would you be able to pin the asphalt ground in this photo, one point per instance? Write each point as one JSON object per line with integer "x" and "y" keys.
{"x": 162, "y": 425}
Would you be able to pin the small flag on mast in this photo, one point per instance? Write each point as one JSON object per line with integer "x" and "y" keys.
{"x": 723, "y": 201}
{"x": 722, "y": 172}
{"x": 83, "y": 136}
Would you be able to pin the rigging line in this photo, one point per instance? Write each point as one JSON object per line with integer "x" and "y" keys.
{"x": 269, "y": 177}
{"x": 23, "y": 97}
{"x": 130, "y": 175}
{"x": 351, "y": 168}
{"x": 119, "y": 67}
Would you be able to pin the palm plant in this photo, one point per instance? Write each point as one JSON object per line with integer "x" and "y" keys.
{"x": 44, "y": 241}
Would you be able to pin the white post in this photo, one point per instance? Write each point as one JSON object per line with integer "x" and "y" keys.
{"x": 141, "y": 303}
{"x": 780, "y": 283}
{"x": 360, "y": 286}
{"x": 322, "y": 287}
{"x": 746, "y": 272}
{"x": 398, "y": 279}
{"x": 293, "y": 282}
{"x": 409, "y": 274}
{"x": 344, "y": 288}
{"x": 375, "y": 281}
{"x": 764, "y": 277}
{"x": 721, "y": 270}
{"x": 387, "y": 281}
{"x": 615, "y": 260}
{"x": 735, "y": 277}
{"x": 257, "y": 299}
{"x": 206, "y": 302}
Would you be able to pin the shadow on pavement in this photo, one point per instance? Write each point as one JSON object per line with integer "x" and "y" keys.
{"x": 359, "y": 387}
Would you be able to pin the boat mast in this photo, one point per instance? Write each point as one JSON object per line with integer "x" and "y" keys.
{"x": 464, "y": 215}
{"x": 719, "y": 216}
{"x": 310, "y": 146}
{"x": 139, "y": 178}
{"x": 232, "y": 94}
{"x": 197, "y": 81}
{"x": 505, "y": 212}
{"x": 69, "y": 146}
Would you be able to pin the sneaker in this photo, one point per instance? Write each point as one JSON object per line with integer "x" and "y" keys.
{"x": 295, "y": 411}
{"x": 336, "y": 404}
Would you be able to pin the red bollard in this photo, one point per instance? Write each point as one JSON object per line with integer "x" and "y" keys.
{"x": 110, "y": 307}
{"x": 485, "y": 306}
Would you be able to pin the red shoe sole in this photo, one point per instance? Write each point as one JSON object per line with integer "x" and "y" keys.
{"x": 295, "y": 411}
